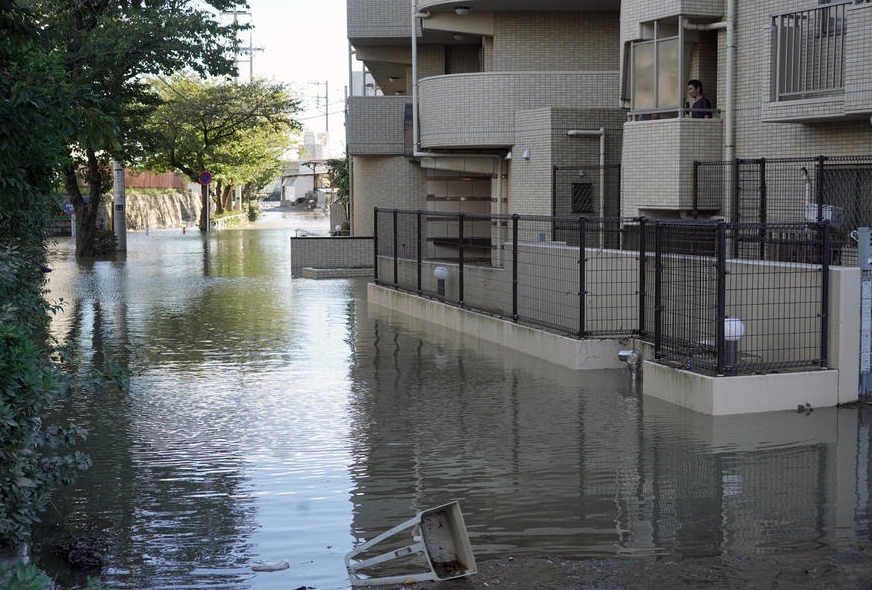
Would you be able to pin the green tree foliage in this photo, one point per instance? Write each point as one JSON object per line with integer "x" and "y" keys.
{"x": 237, "y": 132}
{"x": 340, "y": 181}
{"x": 36, "y": 124}
{"x": 33, "y": 107}
{"x": 106, "y": 48}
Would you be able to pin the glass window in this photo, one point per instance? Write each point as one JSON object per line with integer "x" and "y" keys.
{"x": 657, "y": 73}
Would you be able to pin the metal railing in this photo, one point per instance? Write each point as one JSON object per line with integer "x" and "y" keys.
{"x": 809, "y": 51}
{"x": 683, "y": 285}
{"x": 790, "y": 191}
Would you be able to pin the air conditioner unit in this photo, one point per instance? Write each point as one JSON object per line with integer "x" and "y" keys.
{"x": 835, "y": 215}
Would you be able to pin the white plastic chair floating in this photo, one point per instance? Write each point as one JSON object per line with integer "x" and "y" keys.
{"x": 440, "y": 550}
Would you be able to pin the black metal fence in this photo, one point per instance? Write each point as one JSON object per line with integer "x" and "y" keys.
{"x": 678, "y": 284}
{"x": 837, "y": 189}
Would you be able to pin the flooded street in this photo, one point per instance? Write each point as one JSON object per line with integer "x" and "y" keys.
{"x": 272, "y": 419}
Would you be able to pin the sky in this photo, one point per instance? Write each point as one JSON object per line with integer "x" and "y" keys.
{"x": 305, "y": 44}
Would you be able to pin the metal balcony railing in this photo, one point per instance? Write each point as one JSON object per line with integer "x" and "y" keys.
{"x": 809, "y": 51}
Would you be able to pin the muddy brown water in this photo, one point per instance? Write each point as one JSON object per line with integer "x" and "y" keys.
{"x": 272, "y": 419}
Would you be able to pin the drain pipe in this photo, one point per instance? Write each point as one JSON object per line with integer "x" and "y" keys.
{"x": 602, "y": 159}
{"x": 602, "y": 165}
{"x": 729, "y": 121}
{"x": 729, "y": 24}
{"x": 416, "y": 140}
{"x": 633, "y": 360}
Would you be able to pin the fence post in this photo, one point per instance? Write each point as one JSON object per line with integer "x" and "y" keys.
{"x": 554, "y": 170}
{"x": 582, "y": 283}
{"x": 735, "y": 204}
{"x": 418, "y": 245}
{"x": 720, "y": 300}
{"x": 375, "y": 244}
{"x": 515, "y": 218}
{"x": 642, "y": 263}
{"x": 763, "y": 208}
{"x": 396, "y": 233}
{"x": 819, "y": 187}
{"x": 825, "y": 293}
{"x": 658, "y": 280}
{"x": 460, "y": 258}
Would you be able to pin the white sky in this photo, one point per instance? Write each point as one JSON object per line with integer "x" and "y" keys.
{"x": 304, "y": 44}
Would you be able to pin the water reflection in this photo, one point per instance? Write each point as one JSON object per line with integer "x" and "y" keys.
{"x": 275, "y": 419}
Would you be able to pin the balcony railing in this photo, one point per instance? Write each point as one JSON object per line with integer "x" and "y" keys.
{"x": 809, "y": 51}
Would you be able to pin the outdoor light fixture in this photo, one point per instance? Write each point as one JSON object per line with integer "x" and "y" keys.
{"x": 526, "y": 153}
{"x": 582, "y": 173}
{"x": 734, "y": 329}
{"x": 393, "y": 79}
{"x": 461, "y": 10}
{"x": 458, "y": 37}
{"x": 441, "y": 273}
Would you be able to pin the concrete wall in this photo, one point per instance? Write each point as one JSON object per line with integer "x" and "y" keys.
{"x": 330, "y": 253}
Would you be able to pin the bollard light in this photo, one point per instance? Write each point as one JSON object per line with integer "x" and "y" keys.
{"x": 734, "y": 329}
{"x": 441, "y": 273}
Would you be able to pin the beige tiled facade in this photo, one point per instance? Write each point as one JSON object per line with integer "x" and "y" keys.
{"x": 503, "y": 82}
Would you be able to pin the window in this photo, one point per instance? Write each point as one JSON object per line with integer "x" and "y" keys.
{"x": 658, "y": 81}
{"x": 582, "y": 198}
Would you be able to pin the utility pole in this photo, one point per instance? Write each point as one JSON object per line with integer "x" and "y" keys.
{"x": 326, "y": 98}
{"x": 250, "y": 49}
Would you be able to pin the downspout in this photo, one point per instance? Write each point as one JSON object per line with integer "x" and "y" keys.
{"x": 729, "y": 24}
{"x": 602, "y": 159}
{"x": 416, "y": 142}
{"x": 602, "y": 166}
{"x": 729, "y": 121}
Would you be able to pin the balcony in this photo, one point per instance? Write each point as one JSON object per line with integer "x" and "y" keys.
{"x": 657, "y": 165}
{"x": 483, "y": 105}
{"x": 378, "y": 20}
{"x": 819, "y": 64}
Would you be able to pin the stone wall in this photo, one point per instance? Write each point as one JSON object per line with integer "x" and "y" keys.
{"x": 156, "y": 209}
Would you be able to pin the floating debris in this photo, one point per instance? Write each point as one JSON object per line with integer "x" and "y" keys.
{"x": 270, "y": 567}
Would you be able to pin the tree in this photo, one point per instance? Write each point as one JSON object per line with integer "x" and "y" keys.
{"x": 340, "y": 181}
{"x": 107, "y": 47}
{"x": 237, "y": 132}
{"x": 33, "y": 108}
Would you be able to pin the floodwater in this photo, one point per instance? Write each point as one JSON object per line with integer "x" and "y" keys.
{"x": 274, "y": 419}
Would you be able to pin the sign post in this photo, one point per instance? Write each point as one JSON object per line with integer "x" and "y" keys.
{"x": 205, "y": 178}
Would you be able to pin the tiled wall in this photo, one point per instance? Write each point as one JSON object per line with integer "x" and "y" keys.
{"x": 549, "y": 41}
{"x": 334, "y": 252}
{"x": 374, "y": 124}
{"x": 858, "y": 59}
{"x": 378, "y": 18}
{"x": 389, "y": 182}
{"x": 484, "y": 104}
{"x": 657, "y": 171}
{"x": 755, "y": 138}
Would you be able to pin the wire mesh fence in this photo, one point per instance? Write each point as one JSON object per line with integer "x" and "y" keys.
{"x": 712, "y": 296}
{"x": 835, "y": 189}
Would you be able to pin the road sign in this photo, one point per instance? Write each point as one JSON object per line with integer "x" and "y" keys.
{"x": 205, "y": 177}
{"x": 68, "y": 207}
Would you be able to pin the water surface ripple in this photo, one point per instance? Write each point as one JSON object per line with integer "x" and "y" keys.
{"x": 278, "y": 419}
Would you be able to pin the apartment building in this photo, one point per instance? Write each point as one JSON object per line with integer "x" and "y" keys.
{"x": 490, "y": 102}
{"x": 479, "y": 105}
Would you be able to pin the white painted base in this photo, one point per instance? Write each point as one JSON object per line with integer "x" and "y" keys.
{"x": 743, "y": 394}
